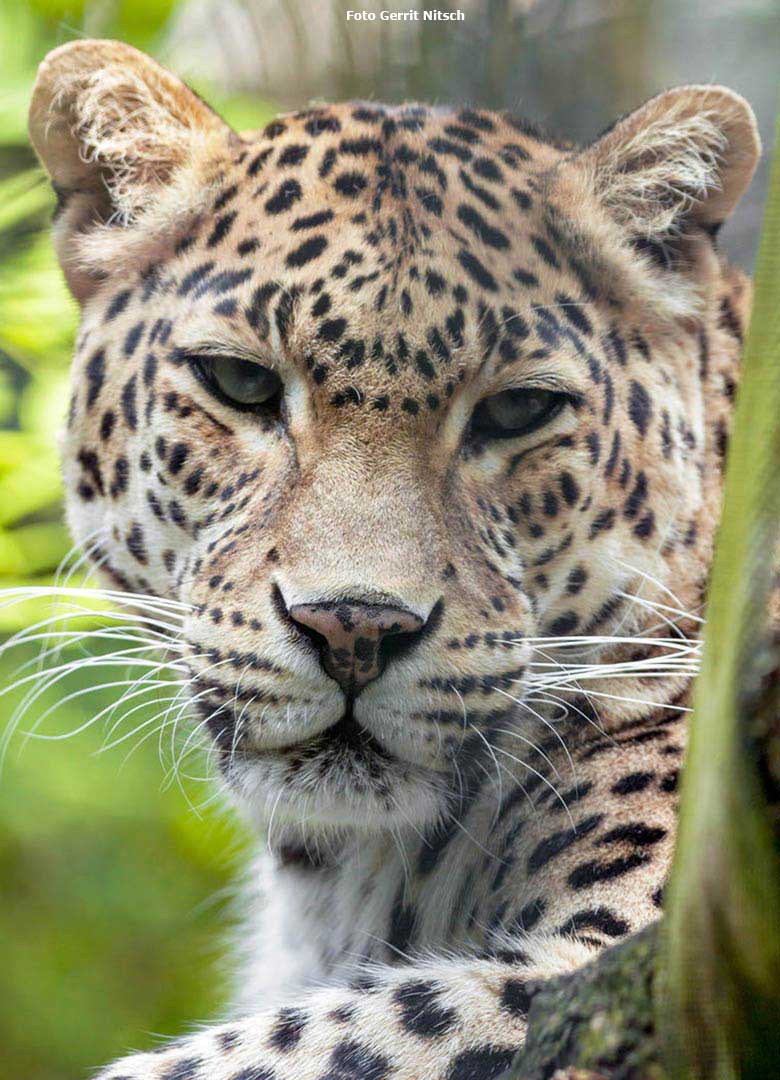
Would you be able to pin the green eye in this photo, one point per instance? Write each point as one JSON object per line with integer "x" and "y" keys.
{"x": 241, "y": 382}
{"x": 515, "y": 412}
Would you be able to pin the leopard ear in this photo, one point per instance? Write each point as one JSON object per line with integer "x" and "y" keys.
{"x": 113, "y": 130}
{"x": 685, "y": 157}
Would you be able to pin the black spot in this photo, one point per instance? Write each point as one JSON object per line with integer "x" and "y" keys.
{"x": 287, "y": 1030}
{"x": 553, "y": 845}
{"x": 118, "y": 304}
{"x": 515, "y": 997}
{"x": 573, "y": 311}
{"x": 544, "y": 250}
{"x": 96, "y": 373}
{"x": 670, "y": 781}
{"x": 257, "y": 162}
{"x": 483, "y": 1063}
{"x": 185, "y": 1069}
{"x": 634, "y": 833}
{"x": 132, "y": 339}
{"x": 639, "y": 407}
{"x": 287, "y": 194}
{"x": 479, "y": 273}
{"x": 421, "y": 1012}
{"x": 136, "y": 544}
{"x": 310, "y": 249}
{"x": 351, "y": 1061}
{"x": 350, "y": 184}
{"x": 636, "y": 781}
{"x": 222, "y": 227}
{"x": 292, "y": 155}
{"x": 444, "y": 146}
{"x": 191, "y": 280}
{"x": 525, "y": 277}
{"x": 424, "y": 365}
{"x": 178, "y": 457}
{"x": 311, "y": 221}
{"x": 565, "y": 624}
{"x": 600, "y": 918}
{"x": 128, "y": 402}
{"x": 107, "y": 423}
{"x": 430, "y": 200}
{"x": 332, "y": 329}
{"x": 591, "y": 873}
{"x": 482, "y": 229}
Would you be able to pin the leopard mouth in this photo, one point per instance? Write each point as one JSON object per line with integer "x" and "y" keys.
{"x": 346, "y": 740}
{"x": 345, "y": 737}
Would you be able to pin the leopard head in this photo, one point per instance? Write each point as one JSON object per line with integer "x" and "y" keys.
{"x": 386, "y": 397}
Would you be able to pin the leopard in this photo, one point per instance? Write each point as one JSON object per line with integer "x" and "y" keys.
{"x": 416, "y": 417}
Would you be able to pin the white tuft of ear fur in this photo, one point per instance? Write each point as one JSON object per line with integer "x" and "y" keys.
{"x": 685, "y": 157}
{"x": 104, "y": 115}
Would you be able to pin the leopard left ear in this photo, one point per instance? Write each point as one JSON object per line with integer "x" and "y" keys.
{"x": 684, "y": 157}
{"x": 126, "y": 143}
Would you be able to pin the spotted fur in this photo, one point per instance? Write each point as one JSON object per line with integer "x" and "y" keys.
{"x": 369, "y": 576}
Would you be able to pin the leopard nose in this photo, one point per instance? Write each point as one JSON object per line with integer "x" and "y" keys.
{"x": 355, "y": 640}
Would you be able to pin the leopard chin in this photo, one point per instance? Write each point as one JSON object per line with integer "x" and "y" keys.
{"x": 341, "y": 779}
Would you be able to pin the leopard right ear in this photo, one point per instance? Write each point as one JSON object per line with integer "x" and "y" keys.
{"x": 115, "y": 131}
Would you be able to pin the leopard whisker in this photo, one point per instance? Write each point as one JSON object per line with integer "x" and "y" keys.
{"x": 542, "y": 777}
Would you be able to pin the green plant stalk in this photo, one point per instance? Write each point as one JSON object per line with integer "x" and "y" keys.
{"x": 718, "y": 985}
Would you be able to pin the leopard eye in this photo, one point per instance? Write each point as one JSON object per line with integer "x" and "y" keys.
{"x": 515, "y": 412}
{"x": 241, "y": 382}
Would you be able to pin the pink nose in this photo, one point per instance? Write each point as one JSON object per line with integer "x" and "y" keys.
{"x": 355, "y": 640}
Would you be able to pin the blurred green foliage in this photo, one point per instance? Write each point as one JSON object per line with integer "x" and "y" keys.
{"x": 111, "y": 921}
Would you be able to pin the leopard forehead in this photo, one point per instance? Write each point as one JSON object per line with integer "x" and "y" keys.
{"x": 388, "y": 252}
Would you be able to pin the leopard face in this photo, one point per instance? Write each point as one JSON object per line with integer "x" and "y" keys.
{"x": 385, "y": 395}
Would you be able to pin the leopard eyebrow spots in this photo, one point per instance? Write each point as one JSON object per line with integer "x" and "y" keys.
{"x": 256, "y": 312}
{"x": 191, "y": 280}
{"x": 573, "y": 311}
{"x": 221, "y": 282}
